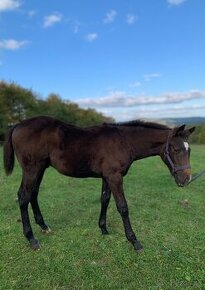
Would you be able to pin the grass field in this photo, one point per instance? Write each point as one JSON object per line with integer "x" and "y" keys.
{"x": 169, "y": 221}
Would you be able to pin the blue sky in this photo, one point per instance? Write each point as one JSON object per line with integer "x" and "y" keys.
{"x": 126, "y": 58}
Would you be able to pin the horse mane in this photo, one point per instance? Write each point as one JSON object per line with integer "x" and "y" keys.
{"x": 139, "y": 123}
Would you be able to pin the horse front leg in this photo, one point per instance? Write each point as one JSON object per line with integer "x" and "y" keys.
{"x": 116, "y": 185}
{"x": 105, "y": 199}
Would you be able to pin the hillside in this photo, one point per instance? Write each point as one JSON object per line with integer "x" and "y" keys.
{"x": 185, "y": 120}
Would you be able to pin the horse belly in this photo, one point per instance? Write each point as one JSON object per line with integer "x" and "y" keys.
{"x": 74, "y": 166}
{"x": 81, "y": 169}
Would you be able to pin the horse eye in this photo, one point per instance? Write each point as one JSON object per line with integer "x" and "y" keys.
{"x": 177, "y": 150}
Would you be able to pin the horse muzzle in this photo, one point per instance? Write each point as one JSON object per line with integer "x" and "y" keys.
{"x": 183, "y": 178}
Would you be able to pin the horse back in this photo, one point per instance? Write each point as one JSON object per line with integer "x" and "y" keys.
{"x": 73, "y": 151}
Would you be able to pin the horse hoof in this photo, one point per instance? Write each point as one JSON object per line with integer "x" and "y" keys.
{"x": 46, "y": 231}
{"x": 140, "y": 251}
{"x": 35, "y": 245}
{"x": 138, "y": 247}
{"x": 105, "y": 232}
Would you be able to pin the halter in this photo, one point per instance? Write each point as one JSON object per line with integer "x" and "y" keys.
{"x": 167, "y": 156}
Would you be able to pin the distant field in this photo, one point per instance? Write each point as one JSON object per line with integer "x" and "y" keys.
{"x": 169, "y": 221}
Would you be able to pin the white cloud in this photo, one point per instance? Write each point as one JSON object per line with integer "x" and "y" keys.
{"x": 91, "y": 37}
{"x": 175, "y": 2}
{"x": 135, "y": 85}
{"x": 9, "y": 5}
{"x": 52, "y": 19}
{"x": 110, "y": 16}
{"x": 155, "y": 112}
{"x": 119, "y": 99}
{"x": 172, "y": 111}
{"x": 151, "y": 76}
{"x": 12, "y": 44}
{"x": 131, "y": 19}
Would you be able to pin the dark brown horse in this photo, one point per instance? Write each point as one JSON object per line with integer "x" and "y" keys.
{"x": 105, "y": 151}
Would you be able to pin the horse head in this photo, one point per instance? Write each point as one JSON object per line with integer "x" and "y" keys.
{"x": 176, "y": 154}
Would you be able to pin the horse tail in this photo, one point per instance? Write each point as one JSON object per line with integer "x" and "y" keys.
{"x": 8, "y": 152}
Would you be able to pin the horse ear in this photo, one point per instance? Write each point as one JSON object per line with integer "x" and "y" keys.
{"x": 178, "y": 131}
{"x": 188, "y": 132}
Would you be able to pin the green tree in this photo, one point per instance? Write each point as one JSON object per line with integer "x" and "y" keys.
{"x": 199, "y": 135}
{"x": 18, "y": 103}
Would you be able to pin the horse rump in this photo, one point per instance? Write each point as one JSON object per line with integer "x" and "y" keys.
{"x": 8, "y": 153}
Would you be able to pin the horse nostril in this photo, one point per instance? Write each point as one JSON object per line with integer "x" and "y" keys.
{"x": 187, "y": 179}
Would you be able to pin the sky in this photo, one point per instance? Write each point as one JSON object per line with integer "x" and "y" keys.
{"x": 129, "y": 59}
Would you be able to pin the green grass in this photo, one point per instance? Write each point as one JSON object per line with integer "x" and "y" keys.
{"x": 76, "y": 256}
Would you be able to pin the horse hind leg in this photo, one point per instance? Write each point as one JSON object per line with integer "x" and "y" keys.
{"x": 105, "y": 199}
{"x": 38, "y": 215}
{"x": 35, "y": 206}
{"x": 24, "y": 197}
{"x": 28, "y": 194}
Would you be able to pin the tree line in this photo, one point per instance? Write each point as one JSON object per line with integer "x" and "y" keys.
{"x": 18, "y": 103}
{"x": 198, "y": 137}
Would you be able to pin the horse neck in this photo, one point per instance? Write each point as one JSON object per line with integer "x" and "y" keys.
{"x": 145, "y": 142}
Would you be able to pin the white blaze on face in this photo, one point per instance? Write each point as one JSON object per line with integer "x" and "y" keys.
{"x": 186, "y": 145}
